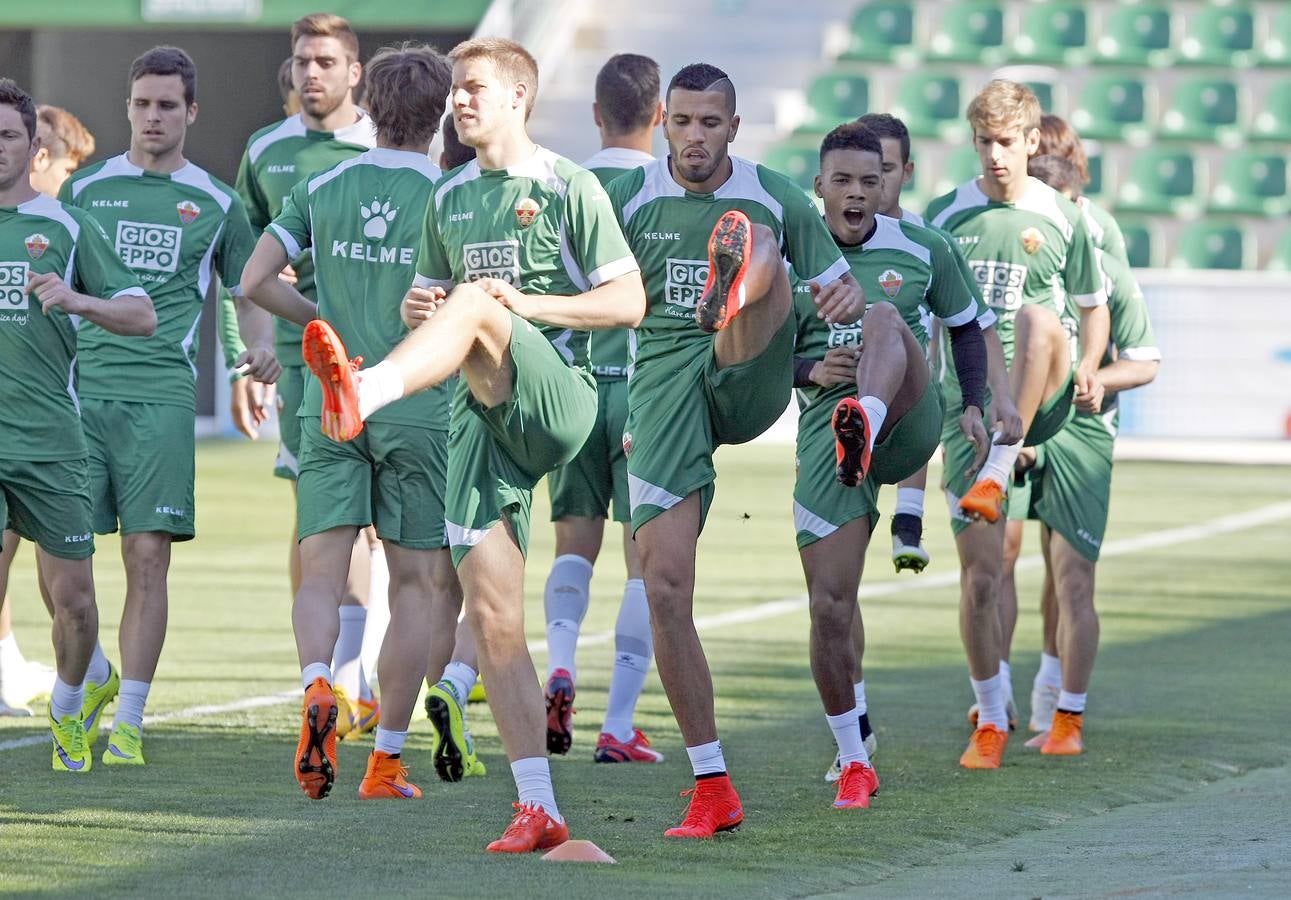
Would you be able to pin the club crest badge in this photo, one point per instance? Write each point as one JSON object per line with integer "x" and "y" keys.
{"x": 891, "y": 282}
{"x": 627, "y": 443}
{"x": 36, "y": 244}
{"x": 1032, "y": 240}
{"x": 526, "y": 211}
{"x": 188, "y": 211}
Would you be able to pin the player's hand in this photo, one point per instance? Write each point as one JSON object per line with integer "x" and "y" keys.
{"x": 249, "y": 404}
{"x": 1091, "y": 401}
{"x": 970, "y": 425}
{"x": 838, "y": 367}
{"x": 288, "y": 274}
{"x": 52, "y": 292}
{"x": 259, "y": 364}
{"x": 1008, "y": 422}
{"x": 419, "y": 304}
{"x": 505, "y": 293}
{"x": 841, "y": 302}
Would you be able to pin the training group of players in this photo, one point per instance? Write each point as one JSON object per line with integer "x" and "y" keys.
{"x": 606, "y": 326}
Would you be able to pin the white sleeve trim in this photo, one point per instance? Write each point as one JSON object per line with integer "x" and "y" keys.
{"x": 833, "y": 273}
{"x": 129, "y": 292}
{"x": 421, "y": 281}
{"x": 963, "y": 317}
{"x": 1099, "y": 298}
{"x": 987, "y": 319}
{"x": 612, "y": 270}
{"x": 1141, "y": 354}
{"x": 288, "y": 242}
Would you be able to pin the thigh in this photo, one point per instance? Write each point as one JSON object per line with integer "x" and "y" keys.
{"x": 485, "y": 485}
{"x": 821, "y": 506}
{"x": 747, "y": 398}
{"x": 1076, "y": 484}
{"x": 150, "y": 451}
{"x": 614, "y": 403}
{"x": 49, "y": 504}
{"x": 291, "y": 392}
{"x": 581, "y": 488}
{"x": 334, "y": 481}
{"x": 411, "y": 477}
{"x": 1054, "y": 414}
{"x": 911, "y": 441}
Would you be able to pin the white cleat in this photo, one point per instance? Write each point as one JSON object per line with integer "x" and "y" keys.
{"x": 1044, "y": 703}
{"x": 908, "y": 557}
{"x": 1010, "y": 708}
{"x": 835, "y": 770}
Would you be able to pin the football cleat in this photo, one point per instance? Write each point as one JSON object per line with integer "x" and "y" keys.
{"x": 125, "y": 746}
{"x": 387, "y": 777}
{"x": 730, "y": 246}
{"x": 1036, "y": 741}
{"x": 531, "y": 829}
{"x": 477, "y": 694}
{"x": 871, "y": 742}
{"x": 984, "y": 501}
{"x": 851, "y": 441}
{"x": 454, "y": 750}
{"x": 714, "y": 806}
{"x": 907, "y": 543}
{"x": 560, "y": 711}
{"x": 610, "y": 749}
{"x": 1044, "y": 702}
{"x": 97, "y": 697}
{"x": 315, "y": 761}
{"x": 985, "y": 748}
{"x": 346, "y": 717}
{"x": 367, "y": 718}
{"x": 326, "y": 357}
{"x": 72, "y": 751}
{"x": 858, "y": 783}
{"x": 1010, "y": 709}
{"x": 1065, "y": 737}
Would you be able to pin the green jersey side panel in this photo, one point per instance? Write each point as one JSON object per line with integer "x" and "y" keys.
{"x": 1103, "y": 230}
{"x": 1131, "y": 338}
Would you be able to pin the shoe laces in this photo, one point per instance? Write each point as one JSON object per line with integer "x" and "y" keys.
{"x": 639, "y": 738}
{"x": 1064, "y": 727}
{"x": 990, "y": 741}
{"x": 526, "y": 814}
{"x": 76, "y": 742}
{"x": 852, "y": 780}
{"x": 702, "y": 807}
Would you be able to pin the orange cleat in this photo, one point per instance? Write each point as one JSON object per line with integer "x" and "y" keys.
{"x": 985, "y": 500}
{"x": 326, "y": 357}
{"x": 714, "y": 807}
{"x": 730, "y": 247}
{"x": 386, "y": 777}
{"x": 1037, "y": 741}
{"x": 859, "y": 782}
{"x": 851, "y": 441}
{"x": 985, "y": 748}
{"x": 560, "y": 711}
{"x": 531, "y": 829}
{"x": 1064, "y": 738}
{"x": 316, "y": 751}
{"x": 610, "y": 749}
{"x": 367, "y": 718}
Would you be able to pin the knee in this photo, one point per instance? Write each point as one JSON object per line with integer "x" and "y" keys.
{"x": 832, "y": 610}
{"x": 881, "y": 319}
{"x": 980, "y": 587}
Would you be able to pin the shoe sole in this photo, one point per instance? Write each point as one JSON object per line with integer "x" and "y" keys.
{"x": 716, "y": 831}
{"x": 324, "y": 353}
{"x": 981, "y": 510}
{"x": 851, "y": 432}
{"x": 448, "y": 754}
{"x": 909, "y": 562}
{"x": 560, "y": 710}
{"x": 315, "y": 741}
{"x": 729, "y": 248}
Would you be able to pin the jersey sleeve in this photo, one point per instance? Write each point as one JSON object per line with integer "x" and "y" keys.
{"x": 433, "y": 266}
{"x": 237, "y": 240}
{"x": 227, "y": 328}
{"x": 985, "y": 315}
{"x": 291, "y": 227}
{"x": 592, "y": 234}
{"x": 1082, "y": 277}
{"x": 249, "y": 190}
{"x": 811, "y": 248}
{"x": 1114, "y": 241}
{"x": 1131, "y": 327}
{"x": 98, "y": 270}
{"x": 949, "y": 296}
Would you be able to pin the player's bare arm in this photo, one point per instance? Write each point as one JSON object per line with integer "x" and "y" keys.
{"x": 618, "y": 303}
{"x": 129, "y": 314}
{"x": 260, "y": 283}
{"x": 1095, "y": 331}
{"x": 1004, "y": 415}
{"x": 420, "y": 303}
{"x": 838, "y": 367}
{"x": 841, "y": 302}
{"x": 255, "y": 325}
{"x": 1121, "y": 375}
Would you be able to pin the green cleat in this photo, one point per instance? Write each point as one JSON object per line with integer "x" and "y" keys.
{"x": 97, "y": 697}
{"x": 454, "y": 749}
{"x": 125, "y": 746}
{"x": 72, "y": 751}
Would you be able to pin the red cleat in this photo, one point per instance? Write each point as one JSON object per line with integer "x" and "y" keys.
{"x": 851, "y": 441}
{"x": 560, "y": 711}
{"x": 326, "y": 357}
{"x": 610, "y": 749}
{"x": 859, "y": 782}
{"x": 730, "y": 247}
{"x": 714, "y": 807}
{"x": 531, "y": 829}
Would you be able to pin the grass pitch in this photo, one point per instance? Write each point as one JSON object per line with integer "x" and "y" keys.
{"x": 1193, "y": 649}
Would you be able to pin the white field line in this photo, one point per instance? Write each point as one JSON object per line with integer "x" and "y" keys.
{"x": 1155, "y": 540}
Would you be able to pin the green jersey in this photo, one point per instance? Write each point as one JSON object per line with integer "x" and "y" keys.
{"x": 277, "y": 157}
{"x": 900, "y": 263}
{"x": 1103, "y": 230}
{"x": 362, "y": 219}
{"x": 175, "y": 231}
{"x": 668, "y": 228}
{"x": 611, "y": 351}
{"x": 544, "y": 226}
{"x": 1131, "y": 337}
{"x": 39, "y": 410}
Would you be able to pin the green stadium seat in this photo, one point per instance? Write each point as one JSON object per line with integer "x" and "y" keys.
{"x": 968, "y": 31}
{"x": 1219, "y": 36}
{"x": 836, "y": 98}
{"x": 1280, "y": 261}
{"x": 1114, "y": 107}
{"x": 929, "y": 105}
{"x": 1098, "y": 174}
{"x": 959, "y": 165}
{"x": 1204, "y": 109}
{"x": 801, "y": 163}
{"x": 1052, "y": 33}
{"x": 1251, "y": 181}
{"x": 1214, "y": 245}
{"x": 1136, "y": 35}
{"x": 1276, "y": 47}
{"x": 1273, "y": 121}
{"x": 1142, "y": 242}
{"x": 882, "y": 31}
{"x": 1047, "y": 93}
{"x": 1160, "y": 181}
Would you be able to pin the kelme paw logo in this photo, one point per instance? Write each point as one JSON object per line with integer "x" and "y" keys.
{"x": 378, "y": 215}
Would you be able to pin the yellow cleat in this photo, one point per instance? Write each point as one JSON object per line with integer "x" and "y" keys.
{"x": 477, "y": 694}
{"x": 125, "y": 746}
{"x": 72, "y": 752}
{"x": 97, "y": 697}
{"x": 346, "y": 717}
{"x": 368, "y": 718}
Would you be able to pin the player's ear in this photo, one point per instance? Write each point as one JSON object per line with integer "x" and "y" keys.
{"x": 816, "y": 184}
{"x": 907, "y": 172}
{"x": 1033, "y": 141}
{"x": 735, "y": 126}
{"x": 658, "y": 115}
{"x": 596, "y": 114}
{"x": 356, "y": 73}
{"x": 192, "y": 112}
{"x": 40, "y": 156}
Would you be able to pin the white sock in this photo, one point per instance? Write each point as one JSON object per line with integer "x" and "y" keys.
{"x": 565, "y": 600}
{"x": 315, "y": 670}
{"x": 390, "y": 741}
{"x": 533, "y": 783}
{"x": 99, "y": 669}
{"x": 909, "y": 502}
{"x": 1006, "y": 680}
{"x": 707, "y": 759}
{"x": 847, "y": 734}
{"x": 374, "y": 631}
{"x": 349, "y": 644}
{"x": 66, "y": 700}
{"x": 990, "y": 702}
{"x": 379, "y": 386}
{"x": 999, "y": 462}
{"x": 1050, "y": 674}
{"x": 1069, "y": 702}
{"x": 876, "y": 411}
{"x": 461, "y": 678}
{"x": 859, "y": 690}
{"x": 633, "y": 647}
{"x": 131, "y": 701}
{"x": 10, "y": 656}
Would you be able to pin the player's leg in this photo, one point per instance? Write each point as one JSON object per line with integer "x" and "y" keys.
{"x": 907, "y": 524}
{"x": 1048, "y": 679}
{"x": 75, "y": 633}
{"x": 1073, "y": 575}
{"x": 22, "y": 681}
{"x": 981, "y": 548}
{"x": 768, "y": 298}
{"x": 452, "y": 672}
{"x": 347, "y": 669}
{"x": 374, "y": 629}
{"x": 835, "y": 770}
{"x": 565, "y": 601}
{"x": 143, "y": 632}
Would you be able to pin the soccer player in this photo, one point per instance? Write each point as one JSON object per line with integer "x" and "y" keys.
{"x": 328, "y": 129}
{"x": 517, "y": 237}
{"x": 287, "y": 88}
{"x": 64, "y": 144}
{"x": 176, "y": 227}
{"x": 1031, "y": 254}
{"x": 714, "y": 365}
{"x": 363, "y": 219}
{"x": 455, "y": 153}
{"x": 58, "y": 270}
{"x": 889, "y": 432}
{"x": 627, "y": 111}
